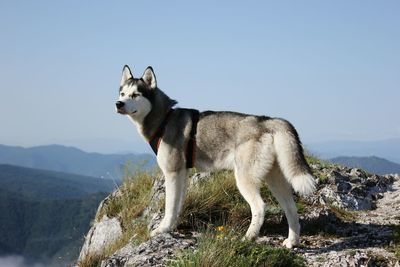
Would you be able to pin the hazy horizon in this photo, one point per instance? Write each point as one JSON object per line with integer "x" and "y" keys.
{"x": 387, "y": 149}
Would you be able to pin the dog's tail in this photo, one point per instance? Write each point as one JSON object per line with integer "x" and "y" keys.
{"x": 291, "y": 159}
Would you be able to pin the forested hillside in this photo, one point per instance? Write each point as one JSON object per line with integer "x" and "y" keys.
{"x": 44, "y": 215}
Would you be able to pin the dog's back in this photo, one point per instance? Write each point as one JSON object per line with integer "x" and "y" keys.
{"x": 268, "y": 140}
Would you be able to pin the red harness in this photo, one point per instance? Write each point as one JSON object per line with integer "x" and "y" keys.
{"x": 190, "y": 152}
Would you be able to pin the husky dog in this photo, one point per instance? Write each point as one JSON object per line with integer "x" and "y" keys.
{"x": 258, "y": 149}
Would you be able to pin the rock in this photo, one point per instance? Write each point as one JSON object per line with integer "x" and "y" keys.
{"x": 102, "y": 234}
{"x": 199, "y": 177}
{"x": 155, "y": 252}
{"x": 352, "y": 258}
{"x": 358, "y": 173}
{"x": 343, "y": 187}
{"x": 337, "y": 177}
{"x": 153, "y": 211}
{"x": 351, "y": 189}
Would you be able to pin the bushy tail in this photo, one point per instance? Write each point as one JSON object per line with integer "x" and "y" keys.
{"x": 292, "y": 161}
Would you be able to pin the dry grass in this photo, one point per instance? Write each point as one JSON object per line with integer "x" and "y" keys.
{"x": 128, "y": 206}
{"x": 217, "y": 201}
{"x": 91, "y": 260}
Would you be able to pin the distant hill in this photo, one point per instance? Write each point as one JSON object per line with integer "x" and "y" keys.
{"x": 45, "y": 214}
{"x": 38, "y": 185}
{"x": 372, "y": 164}
{"x": 388, "y": 149}
{"x": 73, "y": 160}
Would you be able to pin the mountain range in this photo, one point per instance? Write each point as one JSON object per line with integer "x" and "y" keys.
{"x": 388, "y": 149}
{"x": 45, "y": 214}
{"x": 372, "y": 164}
{"x": 72, "y": 160}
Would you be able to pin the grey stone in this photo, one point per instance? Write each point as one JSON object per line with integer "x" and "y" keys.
{"x": 102, "y": 234}
{"x": 155, "y": 252}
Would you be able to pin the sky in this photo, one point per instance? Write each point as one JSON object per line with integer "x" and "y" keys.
{"x": 332, "y": 68}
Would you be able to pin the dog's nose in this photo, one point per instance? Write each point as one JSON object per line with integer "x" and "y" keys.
{"x": 120, "y": 104}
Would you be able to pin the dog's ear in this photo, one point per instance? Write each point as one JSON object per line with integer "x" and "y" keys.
{"x": 126, "y": 74}
{"x": 150, "y": 78}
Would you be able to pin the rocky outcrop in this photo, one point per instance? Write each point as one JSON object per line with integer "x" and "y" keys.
{"x": 363, "y": 233}
{"x": 103, "y": 233}
{"x": 351, "y": 189}
{"x": 349, "y": 221}
{"x": 155, "y": 252}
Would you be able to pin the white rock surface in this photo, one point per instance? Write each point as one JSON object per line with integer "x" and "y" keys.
{"x": 102, "y": 234}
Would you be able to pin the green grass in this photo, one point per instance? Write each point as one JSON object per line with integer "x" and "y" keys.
{"x": 343, "y": 214}
{"x": 322, "y": 164}
{"x": 395, "y": 248}
{"x": 217, "y": 249}
{"x": 312, "y": 160}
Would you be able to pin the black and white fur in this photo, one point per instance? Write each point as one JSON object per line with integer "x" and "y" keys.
{"x": 258, "y": 149}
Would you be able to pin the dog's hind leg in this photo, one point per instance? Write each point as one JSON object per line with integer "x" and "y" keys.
{"x": 175, "y": 188}
{"x": 250, "y": 190}
{"x": 249, "y": 178}
{"x": 282, "y": 191}
{"x": 253, "y": 161}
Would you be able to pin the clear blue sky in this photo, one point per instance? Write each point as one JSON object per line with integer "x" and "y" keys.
{"x": 330, "y": 67}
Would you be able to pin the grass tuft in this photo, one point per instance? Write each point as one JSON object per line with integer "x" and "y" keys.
{"x": 216, "y": 249}
{"x": 343, "y": 214}
{"x": 395, "y": 247}
{"x": 91, "y": 260}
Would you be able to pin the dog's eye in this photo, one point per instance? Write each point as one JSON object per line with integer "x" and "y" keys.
{"x": 134, "y": 95}
{"x": 122, "y": 94}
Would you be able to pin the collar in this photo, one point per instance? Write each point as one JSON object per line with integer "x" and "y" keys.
{"x": 155, "y": 140}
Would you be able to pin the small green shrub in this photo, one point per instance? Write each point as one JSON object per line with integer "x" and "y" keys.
{"x": 312, "y": 160}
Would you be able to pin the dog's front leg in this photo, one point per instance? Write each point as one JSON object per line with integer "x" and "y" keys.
{"x": 175, "y": 188}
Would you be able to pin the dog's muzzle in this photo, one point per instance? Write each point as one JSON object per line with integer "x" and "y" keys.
{"x": 120, "y": 104}
{"x": 120, "y": 107}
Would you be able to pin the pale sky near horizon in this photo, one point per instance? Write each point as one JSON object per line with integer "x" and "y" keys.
{"x": 332, "y": 68}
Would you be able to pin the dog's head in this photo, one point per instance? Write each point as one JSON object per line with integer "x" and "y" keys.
{"x": 136, "y": 95}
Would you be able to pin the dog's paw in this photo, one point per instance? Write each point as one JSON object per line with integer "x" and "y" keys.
{"x": 159, "y": 230}
{"x": 290, "y": 243}
{"x": 154, "y": 232}
{"x": 249, "y": 237}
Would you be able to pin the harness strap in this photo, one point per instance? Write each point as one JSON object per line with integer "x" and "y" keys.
{"x": 191, "y": 146}
{"x": 156, "y": 139}
{"x": 190, "y": 152}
